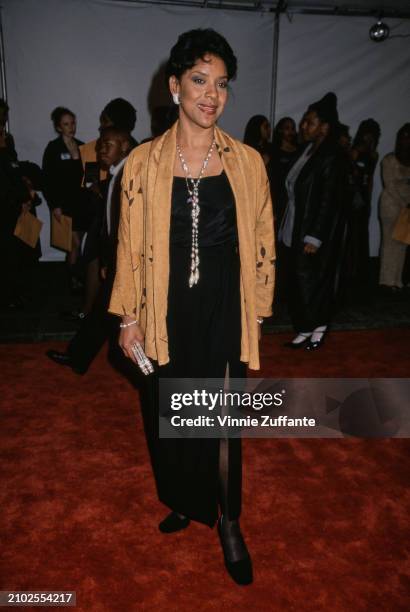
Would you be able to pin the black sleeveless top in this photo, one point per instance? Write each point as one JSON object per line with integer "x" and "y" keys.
{"x": 217, "y": 218}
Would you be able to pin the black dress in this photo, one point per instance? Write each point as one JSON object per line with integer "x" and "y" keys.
{"x": 204, "y": 335}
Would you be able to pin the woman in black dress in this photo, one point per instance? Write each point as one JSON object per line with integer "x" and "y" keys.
{"x": 63, "y": 172}
{"x": 194, "y": 289}
{"x": 313, "y": 225}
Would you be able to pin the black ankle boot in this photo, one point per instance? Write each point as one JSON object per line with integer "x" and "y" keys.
{"x": 173, "y": 522}
{"x": 233, "y": 546}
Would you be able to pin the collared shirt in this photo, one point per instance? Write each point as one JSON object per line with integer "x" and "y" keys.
{"x": 114, "y": 170}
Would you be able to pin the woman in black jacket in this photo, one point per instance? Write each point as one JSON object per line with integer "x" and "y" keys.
{"x": 63, "y": 174}
{"x": 313, "y": 224}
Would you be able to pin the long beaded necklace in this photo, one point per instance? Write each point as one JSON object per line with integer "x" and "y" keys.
{"x": 193, "y": 199}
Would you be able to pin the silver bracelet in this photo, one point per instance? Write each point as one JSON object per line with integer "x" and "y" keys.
{"x": 122, "y": 325}
{"x": 259, "y": 320}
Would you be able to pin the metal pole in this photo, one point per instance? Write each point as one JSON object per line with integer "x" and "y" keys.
{"x": 2, "y": 61}
{"x": 3, "y": 69}
{"x": 275, "y": 57}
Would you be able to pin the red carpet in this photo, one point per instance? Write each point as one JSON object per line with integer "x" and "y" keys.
{"x": 326, "y": 521}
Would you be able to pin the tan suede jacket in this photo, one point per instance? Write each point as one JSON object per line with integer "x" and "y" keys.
{"x": 141, "y": 281}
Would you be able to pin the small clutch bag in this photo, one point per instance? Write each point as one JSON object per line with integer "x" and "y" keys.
{"x": 144, "y": 363}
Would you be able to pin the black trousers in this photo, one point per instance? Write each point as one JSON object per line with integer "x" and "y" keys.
{"x": 310, "y": 288}
{"x": 98, "y": 327}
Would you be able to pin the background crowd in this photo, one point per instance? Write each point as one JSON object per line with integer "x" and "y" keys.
{"x": 282, "y": 151}
{"x": 72, "y": 176}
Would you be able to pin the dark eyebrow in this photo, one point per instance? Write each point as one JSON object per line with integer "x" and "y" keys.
{"x": 206, "y": 74}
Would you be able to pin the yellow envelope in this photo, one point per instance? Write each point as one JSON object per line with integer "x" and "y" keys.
{"x": 61, "y": 233}
{"x": 28, "y": 229}
{"x": 401, "y": 231}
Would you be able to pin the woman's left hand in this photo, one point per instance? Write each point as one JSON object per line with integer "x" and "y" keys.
{"x": 310, "y": 249}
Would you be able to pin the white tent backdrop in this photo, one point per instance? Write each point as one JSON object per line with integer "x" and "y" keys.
{"x": 319, "y": 54}
{"x": 83, "y": 53}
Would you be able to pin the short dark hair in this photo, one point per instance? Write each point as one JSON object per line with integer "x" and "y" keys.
{"x": 122, "y": 114}
{"x": 117, "y": 131}
{"x": 194, "y": 45}
{"x": 58, "y": 113}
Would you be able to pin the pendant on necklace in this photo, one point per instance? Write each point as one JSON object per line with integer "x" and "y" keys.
{"x": 194, "y": 278}
{"x": 193, "y": 200}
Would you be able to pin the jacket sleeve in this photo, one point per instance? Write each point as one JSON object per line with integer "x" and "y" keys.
{"x": 127, "y": 289}
{"x": 265, "y": 245}
{"x": 50, "y": 177}
{"x": 333, "y": 181}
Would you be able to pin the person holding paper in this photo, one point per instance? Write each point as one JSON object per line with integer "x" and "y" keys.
{"x": 63, "y": 174}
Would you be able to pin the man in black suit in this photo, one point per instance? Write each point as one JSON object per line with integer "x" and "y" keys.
{"x": 99, "y": 325}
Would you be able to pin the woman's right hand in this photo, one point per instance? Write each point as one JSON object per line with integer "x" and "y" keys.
{"x": 310, "y": 249}
{"x": 128, "y": 336}
{"x": 57, "y": 212}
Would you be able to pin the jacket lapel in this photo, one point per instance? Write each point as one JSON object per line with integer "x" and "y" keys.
{"x": 160, "y": 182}
{"x": 160, "y": 179}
